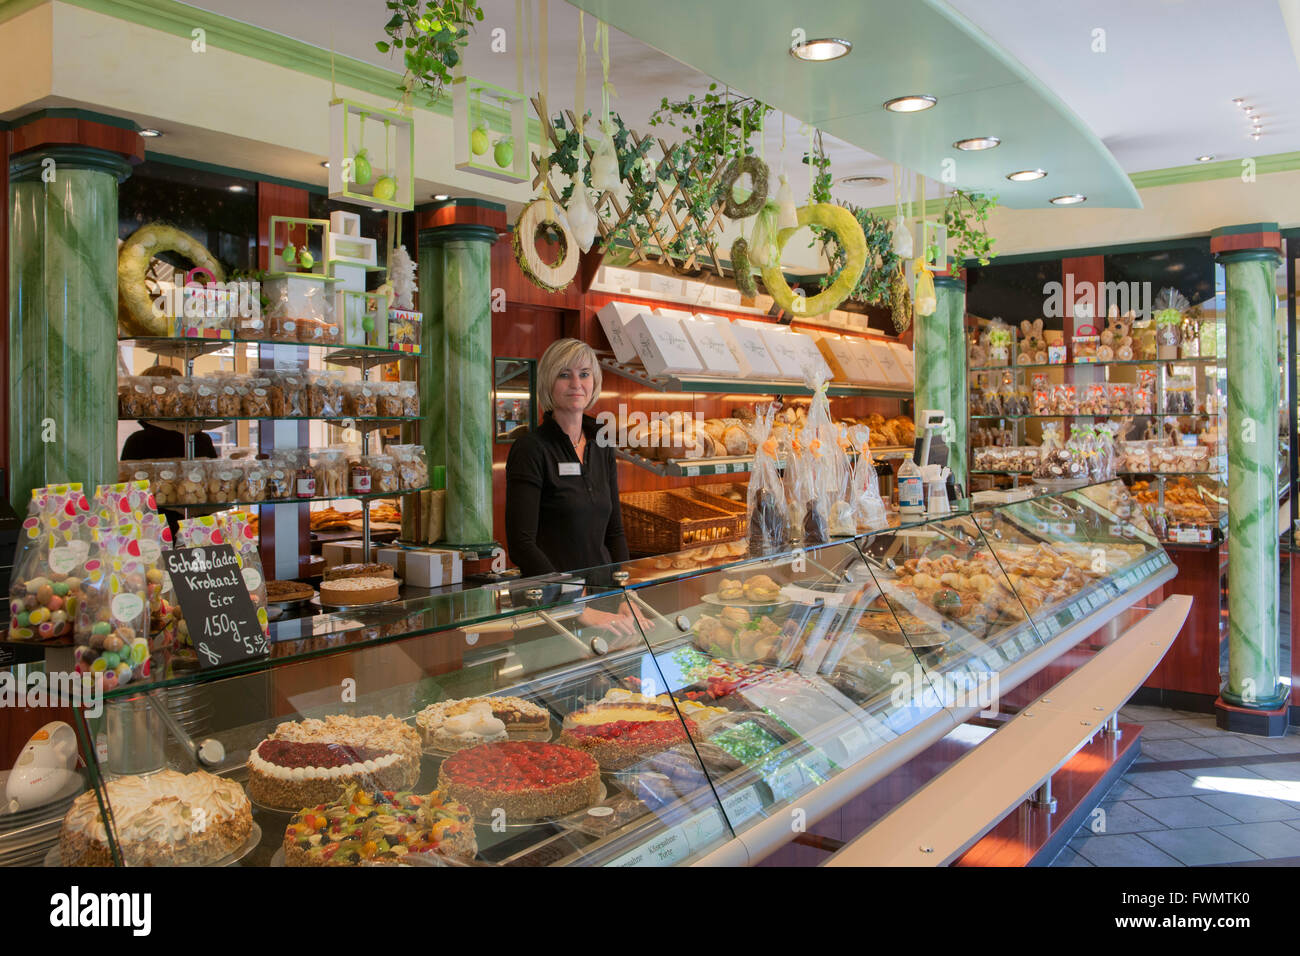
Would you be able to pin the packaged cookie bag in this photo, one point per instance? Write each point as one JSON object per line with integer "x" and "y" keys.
{"x": 765, "y": 506}
{"x": 233, "y": 528}
{"x": 48, "y": 582}
{"x": 864, "y": 489}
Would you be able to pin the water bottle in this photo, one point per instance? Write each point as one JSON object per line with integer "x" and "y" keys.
{"x": 911, "y": 489}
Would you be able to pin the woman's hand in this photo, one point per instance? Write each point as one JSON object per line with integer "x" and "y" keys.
{"x": 621, "y": 624}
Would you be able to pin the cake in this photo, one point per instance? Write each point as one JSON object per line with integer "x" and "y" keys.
{"x": 358, "y": 590}
{"x": 456, "y": 724}
{"x": 163, "y": 819}
{"x": 313, "y": 761}
{"x": 366, "y": 826}
{"x": 526, "y": 779}
{"x": 338, "y": 572}
{"x": 277, "y": 591}
{"x": 620, "y": 733}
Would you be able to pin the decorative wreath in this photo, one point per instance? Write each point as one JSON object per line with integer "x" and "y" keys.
{"x": 552, "y": 278}
{"x": 740, "y": 265}
{"x": 757, "y": 170}
{"x": 848, "y": 233}
{"x": 135, "y": 303}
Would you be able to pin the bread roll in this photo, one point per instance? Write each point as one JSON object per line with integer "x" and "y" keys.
{"x": 736, "y": 440}
{"x": 715, "y": 427}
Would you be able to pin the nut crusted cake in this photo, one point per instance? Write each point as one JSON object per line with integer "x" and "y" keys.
{"x": 528, "y": 780}
{"x": 341, "y": 571}
{"x": 358, "y": 590}
{"x": 618, "y": 734}
{"x": 447, "y": 724}
{"x": 367, "y": 826}
{"x": 314, "y": 761}
{"x": 163, "y": 819}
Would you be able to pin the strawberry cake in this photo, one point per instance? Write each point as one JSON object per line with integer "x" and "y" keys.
{"x": 620, "y": 733}
{"x": 529, "y": 780}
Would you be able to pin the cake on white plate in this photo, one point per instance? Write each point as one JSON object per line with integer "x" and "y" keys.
{"x": 456, "y": 724}
{"x": 167, "y": 818}
{"x": 359, "y": 590}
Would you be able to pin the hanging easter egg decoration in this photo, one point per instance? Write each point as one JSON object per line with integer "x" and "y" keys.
{"x": 478, "y": 140}
{"x": 362, "y": 171}
{"x": 385, "y": 188}
{"x": 787, "y": 216}
{"x": 306, "y": 259}
{"x": 503, "y": 154}
{"x": 368, "y": 323}
{"x": 290, "y": 254}
{"x": 583, "y": 222}
{"x": 604, "y": 165}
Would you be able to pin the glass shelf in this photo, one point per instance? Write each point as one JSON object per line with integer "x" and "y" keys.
{"x": 188, "y": 348}
{"x": 1096, "y": 415}
{"x": 219, "y": 505}
{"x": 1199, "y": 360}
{"x": 740, "y": 386}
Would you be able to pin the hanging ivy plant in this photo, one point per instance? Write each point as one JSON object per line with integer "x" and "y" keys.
{"x": 966, "y": 216}
{"x": 874, "y": 286}
{"x": 716, "y": 126}
{"x": 430, "y": 37}
{"x": 632, "y": 168}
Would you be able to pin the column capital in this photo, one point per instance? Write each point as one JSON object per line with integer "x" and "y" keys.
{"x": 452, "y": 219}
{"x": 942, "y": 281}
{"x": 1242, "y": 243}
{"x": 76, "y": 138}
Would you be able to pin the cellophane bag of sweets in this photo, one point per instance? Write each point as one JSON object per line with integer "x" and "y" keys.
{"x": 132, "y": 502}
{"x": 113, "y": 619}
{"x": 233, "y": 528}
{"x": 829, "y": 463}
{"x": 765, "y": 504}
{"x": 796, "y": 480}
{"x": 48, "y": 582}
{"x": 868, "y": 507}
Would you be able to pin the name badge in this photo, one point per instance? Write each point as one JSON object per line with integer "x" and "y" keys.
{"x": 570, "y": 468}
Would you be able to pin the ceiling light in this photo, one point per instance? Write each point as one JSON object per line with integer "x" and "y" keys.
{"x": 376, "y": 208}
{"x": 236, "y": 188}
{"x": 863, "y": 181}
{"x": 440, "y": 197}
{"x": 1026, "y": 175}
{"x": 1073, "y": 199}
{"x": 978, "y": 142}
{"x": 826, "y": 48}
{"x": 1206, "y": 158}
{"x": 150, "y": 133}
{"x": 1256, "y": 135}
{"x": 1248, "y": 109}
{"x": 1238, "y": 101}
{"x": 326, "y": 164}
{"x": 910, "y": 104}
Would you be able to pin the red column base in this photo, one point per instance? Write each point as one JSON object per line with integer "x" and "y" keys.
{"x": 1248, "y": 720}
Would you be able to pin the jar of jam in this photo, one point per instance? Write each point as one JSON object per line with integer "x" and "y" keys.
{"x": 304, "y": 482}
{"x": 360, "y": 480}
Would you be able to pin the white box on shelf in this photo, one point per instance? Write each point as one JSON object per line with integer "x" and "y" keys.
{"x": 433, "y": 568}
{"x": 835, "y": 349}
{"x": 872, "y": 373}
{"x": 726, "y": 297}
{"x": 395, "y": 558}
{"x": 346, "y": 552}
{"x": 661, "y": 285}
{"x": 888, "y": 361}
{"x": 809, "y": 355}
{"x": 857, "y": 321}
{"x": 712, "y": 347}
{"x": 620, "y": 280}
{"x": 662, "y": 345}
{"x": 780, "y": 345}
{"x": 903, "y": 356}
{"x": 753, "y": 356}
{"x": 614, "y": 317}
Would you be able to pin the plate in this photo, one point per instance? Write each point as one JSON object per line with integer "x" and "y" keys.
{"x": 741, "y": 602}
{"x": 55, "y": 858}
{"x": 1060, "y": 484}
{"x": 316, "y": 602}
{"x": 542, "y": 736}
{"x": 60, "y": 801}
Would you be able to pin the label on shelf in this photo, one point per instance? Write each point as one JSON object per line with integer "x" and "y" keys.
{"x": 663, "y": 849}
{"x": 856, "y": 743}
{"x": 741, "y": 806}
{"x": 787, "y": 782}
{"x": 703, "y": 829}
{"x": 692, "y": 471}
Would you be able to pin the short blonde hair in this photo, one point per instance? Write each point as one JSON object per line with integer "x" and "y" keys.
{"x": 558, "y": 356}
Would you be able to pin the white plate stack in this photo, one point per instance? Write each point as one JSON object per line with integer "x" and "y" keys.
{"x": 27, "y": 836}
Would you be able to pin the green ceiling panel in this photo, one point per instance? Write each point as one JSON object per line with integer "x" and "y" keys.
{"x": 899, "y": 48}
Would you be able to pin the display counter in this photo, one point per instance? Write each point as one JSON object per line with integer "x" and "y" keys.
{"x": 628, "y": 715}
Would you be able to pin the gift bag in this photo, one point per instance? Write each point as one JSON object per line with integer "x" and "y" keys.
{"x": 113, "y": 619}
{"x": 48, "y": 579}
{"x": 765, "y": 504}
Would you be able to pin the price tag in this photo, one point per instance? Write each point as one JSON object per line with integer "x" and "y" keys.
{"x": 703, "y": 829}
{"x": 787, "y": 782}
{"x": 1187, "y": 536}
{"x": 224, "y": 625}
{"x": 663, "y": 849}
{"x": 741, "y": 806}
{"x": 855, "y": 742}
{"x": 1025, "y": 642}
{"x": 817, "y": 765}
{"x": 692, "y": 471}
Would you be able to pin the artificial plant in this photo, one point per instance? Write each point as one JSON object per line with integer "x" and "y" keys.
{"x": 430, "y": 35}
{"x": 636, "y": 174}
{"x": 966, "y": 217}
{"x": 873, "y": 287}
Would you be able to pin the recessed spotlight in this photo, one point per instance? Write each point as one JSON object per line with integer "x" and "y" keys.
{"x": 237, "y": 188}
{"x": 440, "y": 197}
{"x": 150, "y": 133}
{"x": 1248, "y": 109}
{"x": 820, "y": 50}
{"x": 1238, "y": 101}
{"x": 1026, "y": 175}
{"x": 910, "y": 104}
{"x": 326, "y": 164}
{"x": 978, "y": 142}
{"x": 1256, "y": 135}
{"x": 1206, "y": 158}
{"x": 1073, "y": 199}
{"x": 863, "y": 181}
{"x": 376, "y": 208}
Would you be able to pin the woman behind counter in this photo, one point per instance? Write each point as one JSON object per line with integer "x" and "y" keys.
{"x": 562, "y": 505}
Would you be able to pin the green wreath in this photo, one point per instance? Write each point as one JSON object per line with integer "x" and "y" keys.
{"x": 848, "y": 232}
{"x": 740, "y": 265}
{"x": 757, "y": 170}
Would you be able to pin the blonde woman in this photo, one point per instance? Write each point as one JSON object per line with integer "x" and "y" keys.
{"x": 562, "y": 506}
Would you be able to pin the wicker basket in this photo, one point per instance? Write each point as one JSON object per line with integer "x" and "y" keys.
{"x": 661, "y": 522}
{"x": 701, "y": 493}
{"x": 721, "y": 490}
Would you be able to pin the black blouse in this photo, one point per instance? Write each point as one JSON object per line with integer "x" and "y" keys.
{"x": 570, "y": 521}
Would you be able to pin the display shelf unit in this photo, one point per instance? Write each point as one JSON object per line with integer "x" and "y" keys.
{"x": 218, "y": 505}
{"x": 1117, "y": 363}
{"x": 696, "y": 467}
{"x": 188, "y": 349}
{"x": 1015, "y": 418}
{"x": 741, "y": 386}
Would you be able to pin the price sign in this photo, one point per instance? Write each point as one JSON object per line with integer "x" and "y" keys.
{"x": 855, "y": 743}
{"x": 692, "y": 471}
{"x": 786, "y": 782}
{"x": 1187, "y": 536}
{"x": 703, "y": 829}
{"x": 663, "y": 849}
{"x": 224, "y": 625}
{"x": 741, "y": 806}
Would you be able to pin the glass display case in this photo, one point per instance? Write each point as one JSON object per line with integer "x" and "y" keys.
{"x": 652, "y": 720}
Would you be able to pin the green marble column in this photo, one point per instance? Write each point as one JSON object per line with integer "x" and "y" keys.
{"x": 939, "y": 348}
{"x": 1253, "y": 658}
{"x": 433, "y": 353}
{"x": 466, "y": 373}
{"x": 63, "y": 318}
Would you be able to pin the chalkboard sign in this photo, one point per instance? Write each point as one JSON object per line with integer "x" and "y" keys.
{"x": 219, "y": 612}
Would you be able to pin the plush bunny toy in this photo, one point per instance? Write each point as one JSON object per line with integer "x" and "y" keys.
{"x": 1033, "y": 347}
{"x": 1117, "y": 340}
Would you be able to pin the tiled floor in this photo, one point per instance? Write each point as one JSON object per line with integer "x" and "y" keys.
{"x": 1197, "y": 796}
